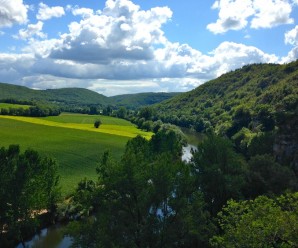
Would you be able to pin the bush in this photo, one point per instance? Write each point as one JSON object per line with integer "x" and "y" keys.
{"x": 97, "y": 123}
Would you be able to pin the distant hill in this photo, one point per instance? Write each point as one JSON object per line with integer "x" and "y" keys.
{"x": 135, "y": 101}
{"x": 68, "y": 97}
{"x": 260, "y": 90}
{"x": 63, "y": 96}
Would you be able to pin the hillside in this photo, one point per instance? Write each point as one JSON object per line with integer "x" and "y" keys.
{"x": 64, "y": 96}
{"x": 261, "y": 91}
{"x": 134, "y": 101}
{"x": 78, "y": 97}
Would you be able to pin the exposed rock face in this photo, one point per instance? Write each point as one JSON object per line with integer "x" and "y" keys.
{"x": 286, "y": 143}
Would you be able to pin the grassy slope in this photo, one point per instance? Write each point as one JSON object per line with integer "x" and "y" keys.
{"x": 76, "y": 150}
{"x": 9, "y": 105}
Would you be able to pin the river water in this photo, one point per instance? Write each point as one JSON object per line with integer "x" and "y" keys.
{"x": 53, "y": 236}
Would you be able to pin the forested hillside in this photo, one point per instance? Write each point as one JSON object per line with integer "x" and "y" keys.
{"x": 65, "y": 96}
{"x": 134, "y": 101}
{"x": 255, "y": 94}
{"x": 74, "y": 98}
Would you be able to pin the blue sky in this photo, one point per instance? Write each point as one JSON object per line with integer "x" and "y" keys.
{"x": 122, "y": 46}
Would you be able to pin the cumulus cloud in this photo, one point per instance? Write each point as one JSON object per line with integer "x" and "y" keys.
{"x": 121, "y": 31}
{"x": 32, "y": 30}
{"x": 236, "y": 14}
{"x": 15, "y": 66}
{"x": 270, "y": 13}
{"x": 77, "y": 11}
{"x": 229, "y": 56}
{"x": 291, "y": 37}
{"x": 232, "y": 15}
{"x": 12, "y": 12}
{"x": 45, "y": 12}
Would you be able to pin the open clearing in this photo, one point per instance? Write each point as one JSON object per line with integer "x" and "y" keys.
{"x": 76, "y": 145}
{"x": 9, "y": 105}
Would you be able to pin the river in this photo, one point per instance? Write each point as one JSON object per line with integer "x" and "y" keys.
{"x": 51, "y": 237}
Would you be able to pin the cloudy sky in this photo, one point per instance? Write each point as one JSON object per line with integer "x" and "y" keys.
{"x": 128, "y": 46}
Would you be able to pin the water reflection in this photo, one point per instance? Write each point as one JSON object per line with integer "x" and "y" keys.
{"x": 51, "y": 237}
{"x": 187, "y": 152}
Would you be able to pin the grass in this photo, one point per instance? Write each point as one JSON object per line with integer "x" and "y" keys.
{"x": 76, "y": 146}
{"x": 10, "y": 105}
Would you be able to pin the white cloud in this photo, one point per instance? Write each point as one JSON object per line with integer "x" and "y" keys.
{"x": 32, "y": 30}
{"x": 232, "y": 15}
{"x": 236, "y": 14}
{"x": 84, "y": 12}
{"x": 45, "y": 12}
{"x": 120, "y": 31}
{"x": 271, "y": 13}
{"x": 229, "y": 56}
{"x": 292, "y": 56}
{"x": 13, "y": 67}
{"x": 12, "y": 12}
{"x": 291, "y": 37}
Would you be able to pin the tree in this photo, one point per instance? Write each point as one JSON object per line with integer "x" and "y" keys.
{"x": 268, "y": 177}
{"x": 97, "y": 123}
{"x": 263, "y": 222}
{"x": 28, "y": 184}
{"x": 148, "y": 199}
{"x": 146, "y": 113}
{"x": 121, "y": 112}
{"x": 93, "y": 110}
{"x": 220, "y": 172}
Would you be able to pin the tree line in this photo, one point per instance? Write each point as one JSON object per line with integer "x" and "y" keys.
{"x": 35, "y": 110}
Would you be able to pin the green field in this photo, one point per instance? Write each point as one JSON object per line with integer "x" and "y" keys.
{"x": 9, "y": 105}
{"x": 71, "y": 139}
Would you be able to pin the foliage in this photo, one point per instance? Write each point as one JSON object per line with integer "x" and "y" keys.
{"x": 97, "y": 123}
{"x": 268, "y": 177}
{"x": 220, "y": 170}
{"x": 78, "y": 99}
{"x": 148, "y": 199}
{"x": 263, "y": 222}
{"x": 28, "y": 185}
{"x": 249, "y": 97}
{"x": 37, "y": 110}
{"x": 135, "y": 101}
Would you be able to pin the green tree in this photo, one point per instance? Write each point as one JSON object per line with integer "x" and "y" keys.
{"x": 146, "y": 113}
{"x": 28, "y": 184}
{"x": 148, "y": 199}
{"x": 121, "y": 112}
{"x": 268, "y": 177}
{"x": 263, "y": 222}
{"x": 97, "y": 123}
{"x": 93, "y": 110}
{"x": 220, "y": 172}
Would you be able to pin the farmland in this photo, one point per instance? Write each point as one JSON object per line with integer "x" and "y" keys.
{"x": 71, "y": 139}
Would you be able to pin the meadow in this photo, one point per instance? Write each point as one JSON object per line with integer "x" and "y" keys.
{"x": 9, "y": 105}
{"x": 71, "y": 139}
